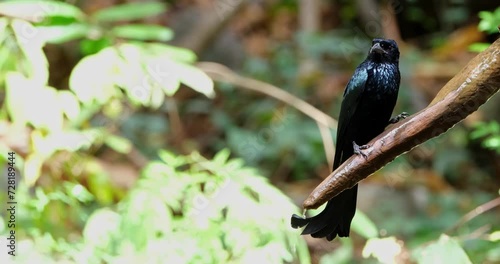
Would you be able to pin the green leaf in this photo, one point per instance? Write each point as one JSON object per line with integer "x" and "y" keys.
{"x": 144, "y": 76}
{"x": 62, "y": 34}
{"x": 99, "y": 184}
{"x": 69, "y": 104}
{"x": 92, "y": 46}
{"x": 495, "y": 236}
{"x": 222, "y": 156}
{"x": 478, "y": 47}
{"x": 119, "y": 144}
{"x": 71, "y": 141}
{"x": 163, "y": 51}
{"x": 157, "y": 96}
{"x": 94, "y": 77}
{"x": 169, "y": 158}
{"x": 30, "y": 41}
{"x": 36, "y": 10}
{"x": 79, "y": 192}
{"x": 445, "y": 250}
{"x": 147, "y": 217}
{"x": 385, "y": 250}
{"x": 195, "y": 79}
{"x": 131, "y": 11}
{"x": 362, "y": 225}
{"x": 25, "y": 98}
{"x": 143, "y": 32}
{"x": 492, "y": 142}
{"x": 101, "y": 227}
{"x": 17, "y": 88}
{"x": 32, "y": 168}
{"x": 489, "y": 21}
{"x": 486, "y": 15}
{"x": 51, "y": 117}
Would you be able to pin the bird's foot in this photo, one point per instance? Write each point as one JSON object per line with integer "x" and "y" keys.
{"x": 398, "y": 118}
{"x": 358, "y": 149}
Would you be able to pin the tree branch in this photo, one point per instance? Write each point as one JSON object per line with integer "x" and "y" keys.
{"x": 462, "y": 95}
{"x": 219, "y": 72}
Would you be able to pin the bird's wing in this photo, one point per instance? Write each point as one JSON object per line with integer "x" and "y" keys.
{"x": 352, "y": 96}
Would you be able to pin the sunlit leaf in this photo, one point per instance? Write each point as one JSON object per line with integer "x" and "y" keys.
{"x": 195, "y": 79}
{"x": 385, "y": 250}
{"x": 94, "y": 77}
{"x": 478, "y": 47}
{"x": 17, "y": 87}
{"x": 119, "y": 144}
{"x": 62, "y": 34}
{"x": 492, "y": 142}
{"x": 32, "y": 168}
{"x": 445, "y": 250}
{"x": 79, "y": 192}
{"x": 131, "y": 74}
{"x": 143, "y": 32}
{"x": 222, "y": 156}
{"x": 35, "y": 10}
{"x": 51, "y": 117}
{"x": 69, "y": 104}
{"x": 146, "y": 217}
{"x": 31, "y": 43}
{"x": 495, "y": 236}
{"x": 25, "y": 98}
{"x": 101, "y": 227}
{"x": 160, "y": 72}
{"x": 169, "y": 158}
{"x": 64, "y": 140}
{"x": 157, "y": 96}
{"x": 99, "y": 184}
{"x": 130, "y": 11}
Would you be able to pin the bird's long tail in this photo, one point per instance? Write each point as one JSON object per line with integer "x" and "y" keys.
{"x": 334, "y": 220}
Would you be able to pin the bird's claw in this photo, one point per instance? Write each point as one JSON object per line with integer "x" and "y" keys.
{"x": 398, "y": 118}
{"x": 358, "y": 149}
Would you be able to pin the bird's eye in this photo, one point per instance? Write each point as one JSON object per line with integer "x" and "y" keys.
{"x": 384, "y": 45}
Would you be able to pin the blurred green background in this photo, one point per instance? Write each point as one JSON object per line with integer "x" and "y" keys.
{"x": 128, "y": 149}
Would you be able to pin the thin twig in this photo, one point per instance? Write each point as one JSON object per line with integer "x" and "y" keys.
{"x": 477, "y": 233}
{"x": 328, "y": 144}
{"x": 475, "y": 212}
{"x": 221, "y": 73}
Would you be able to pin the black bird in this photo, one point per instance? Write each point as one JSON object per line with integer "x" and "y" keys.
{"x": 368, "y": 102}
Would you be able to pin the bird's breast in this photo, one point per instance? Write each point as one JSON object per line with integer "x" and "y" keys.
{"x": 383, "y": 81}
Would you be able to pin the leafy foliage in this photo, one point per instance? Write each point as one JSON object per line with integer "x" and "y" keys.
{"x": 183, "y": 209}
{"x": 142, "y": 73}
{"x": 489, "y": 23}
{"x": 489, "y": 134}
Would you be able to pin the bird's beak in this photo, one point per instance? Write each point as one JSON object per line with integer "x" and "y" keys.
{"x": 376, "y": 48}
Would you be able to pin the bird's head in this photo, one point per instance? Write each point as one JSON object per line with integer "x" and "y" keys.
{"x": 384, "y": 50}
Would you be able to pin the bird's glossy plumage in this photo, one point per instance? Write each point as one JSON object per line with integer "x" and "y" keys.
{"x": 369, "y": 99}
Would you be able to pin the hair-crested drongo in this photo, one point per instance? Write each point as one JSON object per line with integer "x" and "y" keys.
{"x": 368, "y": 102}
